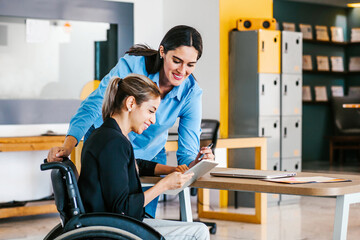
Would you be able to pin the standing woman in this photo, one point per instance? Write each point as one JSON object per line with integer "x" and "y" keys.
{"x": 170, "y": 67}
{"x": 109, "y": 179}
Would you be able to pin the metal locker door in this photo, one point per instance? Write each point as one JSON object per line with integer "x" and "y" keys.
{"x": 290, "y": 137}
{"x": 273, "y": 164}
{"x": 291, "y": 94}
{"x": 269, "y": 51}
{"x": 290, "y": 165}
{"x": 269, "y": 94}
{"x": 292, "y": 49}
{"x": 270, "y": 127}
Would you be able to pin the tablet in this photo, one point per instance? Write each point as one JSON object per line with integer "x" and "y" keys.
{"x": 199, "y": 170}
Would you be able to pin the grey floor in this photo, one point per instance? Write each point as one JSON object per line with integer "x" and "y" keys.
{"x": 310, "y": 218}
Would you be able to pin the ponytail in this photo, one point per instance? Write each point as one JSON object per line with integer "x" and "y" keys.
{"x": 110, "y": 97}
{"x": 136, "y": 85}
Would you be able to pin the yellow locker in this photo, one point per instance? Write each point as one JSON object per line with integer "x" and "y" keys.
{"x": 269, "y": 47}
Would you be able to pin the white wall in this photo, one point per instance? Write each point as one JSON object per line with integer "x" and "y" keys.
{"x": 148, "y": 21}
{"x": 204, "y": 16}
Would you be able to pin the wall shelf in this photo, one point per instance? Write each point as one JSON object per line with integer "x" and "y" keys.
{"x": 330, "y": 72}
{"x": 330, "y": 43}
{"x": 315, "y": 103}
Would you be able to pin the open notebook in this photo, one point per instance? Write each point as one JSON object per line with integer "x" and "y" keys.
{"x": 251, "y": 173}
{"x": 199, "y": 170}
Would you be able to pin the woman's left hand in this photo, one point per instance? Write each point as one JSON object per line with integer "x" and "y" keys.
{"x": 208, "y": 155}
{"x": 181, "y": 168}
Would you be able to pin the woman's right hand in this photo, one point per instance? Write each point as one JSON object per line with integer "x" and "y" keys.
{"x": 176, "y": 180}
{"x": 56, "y": 154}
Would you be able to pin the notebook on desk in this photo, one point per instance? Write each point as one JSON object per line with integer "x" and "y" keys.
{"x": 199, "y": 170}
{"x": 251, "y": 173}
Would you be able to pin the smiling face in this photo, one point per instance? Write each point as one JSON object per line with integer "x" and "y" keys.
{"x": 178, "y": 64}
{"x": 143, "y": 115}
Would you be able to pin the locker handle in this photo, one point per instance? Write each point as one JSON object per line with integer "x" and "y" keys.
{"x": 275, "y": 168}
{"x": 262, "y": 89}
{"x": 297, "y": 41}
{"x": 285, "y": 132}
{"x": 296, "y": 166}
{"x": 285, "y": 89}
{"x": 297, "y": 83}
{"x": 297, "y": 124}
{"x": 262, "y": 131}
{"x": 286, "y": 47}
{"x": 262, "y": 46}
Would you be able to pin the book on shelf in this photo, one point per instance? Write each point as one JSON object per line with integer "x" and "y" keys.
{"x": 321, "y": 33}
{"x": 320, "y": 94}
{"x": 307, "y": 62}
{"x": 337, "y": 64}
{"x": 299, "y": 180}
{"x": 306, "y": 94}
{"x": 355, "y": 35}
{"x": 354, "y": 64}
{"x": 322, "y": 63}
{"x": 337, "y": 34}
{"x": 306, "y": 30}
{"x": 337, "y": 91}
{"x": 287, "y": 26}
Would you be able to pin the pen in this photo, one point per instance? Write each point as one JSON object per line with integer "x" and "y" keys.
{"x": 202, "y": 155}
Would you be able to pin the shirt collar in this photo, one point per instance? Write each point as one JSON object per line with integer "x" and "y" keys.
{"x": 175, "y": 92}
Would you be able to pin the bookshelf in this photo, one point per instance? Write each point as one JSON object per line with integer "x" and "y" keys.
{"x": 317, "y": 116}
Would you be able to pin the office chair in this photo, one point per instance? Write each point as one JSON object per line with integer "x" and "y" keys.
{"x": 346, "y": 126}
{"x": 347, "y": 121}
{"x": 209, "y": 131}
{"x": 76, "y": 223}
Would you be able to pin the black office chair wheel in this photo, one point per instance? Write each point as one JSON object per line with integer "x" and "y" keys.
{"x": 212, "y": 226}
{"x": 193, "y": 192}
{"x": 212, "y": 230}
{"x": 98, "y": 232}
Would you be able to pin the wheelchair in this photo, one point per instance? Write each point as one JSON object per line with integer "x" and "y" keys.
{"x": 76, "y": 223}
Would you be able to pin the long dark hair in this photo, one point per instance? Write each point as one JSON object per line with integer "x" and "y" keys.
{"x": 136, "y": 85}
{"x": 176, "y": 37}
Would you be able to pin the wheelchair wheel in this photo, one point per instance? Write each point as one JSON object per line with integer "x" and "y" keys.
{"x": 97, "y": 232}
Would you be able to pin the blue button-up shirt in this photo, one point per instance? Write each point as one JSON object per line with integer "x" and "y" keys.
{"x": 182, "y": 101}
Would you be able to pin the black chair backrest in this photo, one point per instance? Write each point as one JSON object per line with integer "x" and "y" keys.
{"x": 347, "y": 121}
{"x": 64, "y": 181}
{"x": 209, "y": 130}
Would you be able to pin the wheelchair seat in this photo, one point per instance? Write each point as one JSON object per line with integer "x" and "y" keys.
{"x": 76, "y": 223}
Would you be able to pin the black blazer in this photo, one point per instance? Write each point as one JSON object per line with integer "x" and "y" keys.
{"x": 109, "y": 181}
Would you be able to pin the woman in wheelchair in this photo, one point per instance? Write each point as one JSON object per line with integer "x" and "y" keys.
{"x": 109, "y": 179}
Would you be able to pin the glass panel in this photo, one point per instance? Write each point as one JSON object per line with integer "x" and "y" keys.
{"x": 54, "y": 65}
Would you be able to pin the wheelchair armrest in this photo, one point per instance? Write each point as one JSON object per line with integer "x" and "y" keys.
{"x": 53, "y": 165}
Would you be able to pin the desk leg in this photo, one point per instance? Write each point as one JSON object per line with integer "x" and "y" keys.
{"x": 185, "y": 205}
{"x": 342, "y": 214}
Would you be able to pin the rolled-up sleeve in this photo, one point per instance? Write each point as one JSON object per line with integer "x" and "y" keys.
{"x": 146, "y": 168}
